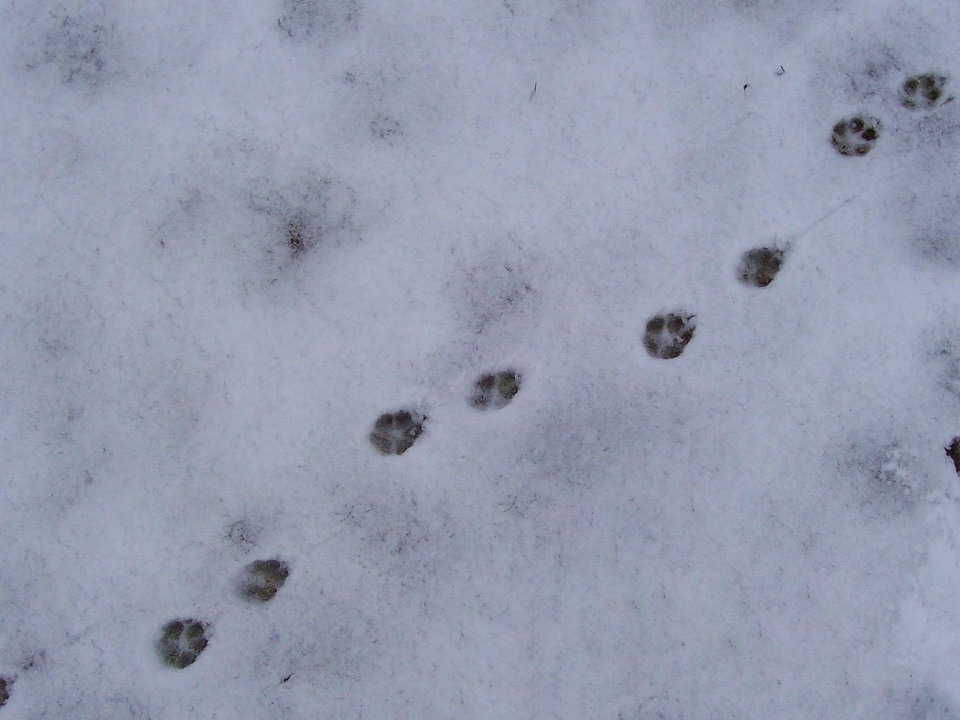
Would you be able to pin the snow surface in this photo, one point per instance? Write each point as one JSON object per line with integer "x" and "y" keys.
{"x": 764, "y": 527}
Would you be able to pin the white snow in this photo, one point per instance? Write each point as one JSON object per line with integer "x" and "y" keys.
{"x": 767, "y": 526}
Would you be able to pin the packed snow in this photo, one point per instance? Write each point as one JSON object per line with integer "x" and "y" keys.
{"x": 480, "y": 359}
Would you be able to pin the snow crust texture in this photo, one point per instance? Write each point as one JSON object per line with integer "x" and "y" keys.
{"x": 476, "y": 359}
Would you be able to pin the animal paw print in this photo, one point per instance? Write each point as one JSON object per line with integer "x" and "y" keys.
{"x": 296, "y": 237}
{"x": 182, "y": 641}
{"x": 384, "y": 127}
{"x": 922, "y": 91}
{"x": 395, "y": 433}
{"x": 263, "y": 578}
{"x": 856, "y": 135}
{"x": 496, "y": 390}
{"x": 758, "y": 267}
{"x": 79, "y": 45}
{"x": 244, "y": 533}
{"x": 667, "y": 335}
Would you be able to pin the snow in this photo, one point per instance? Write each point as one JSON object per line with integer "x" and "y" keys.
{"x": 765, "y": 526}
